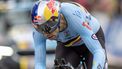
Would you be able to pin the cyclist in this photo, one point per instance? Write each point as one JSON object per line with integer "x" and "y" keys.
{"x": 76, "y": 31}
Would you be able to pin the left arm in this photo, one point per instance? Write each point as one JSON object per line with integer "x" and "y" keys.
{"x": 76, "y": 19}
{"x": 90, "y": 39}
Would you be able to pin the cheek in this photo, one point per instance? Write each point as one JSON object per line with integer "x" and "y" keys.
{"x": 62, "y": 21}
{"x": 55, "y": 32}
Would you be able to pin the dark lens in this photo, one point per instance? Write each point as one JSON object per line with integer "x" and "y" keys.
{"x": 53, "y": 21}
{"x": 40, "y": 29}
{"x": 48, "y": 26}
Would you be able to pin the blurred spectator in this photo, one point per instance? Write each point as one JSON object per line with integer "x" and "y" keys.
{"x": 114, "y": 31}
{"x": 8, "y": 63}
{"x": 103, "y": 10}
{"x": 13, "y": 13}
{"x": 114, "y": 37}
{"x": 3, "y": 23}
{"x": 65, "y": 0}
{"x": 85, "y": 3}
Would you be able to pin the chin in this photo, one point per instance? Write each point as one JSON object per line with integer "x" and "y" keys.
{"x": 52, "y": 38}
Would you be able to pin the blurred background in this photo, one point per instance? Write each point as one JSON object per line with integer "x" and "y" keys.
{"x": 16, "y": 42}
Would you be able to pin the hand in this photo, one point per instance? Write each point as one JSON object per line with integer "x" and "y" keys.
{"x": 62, "y": 64}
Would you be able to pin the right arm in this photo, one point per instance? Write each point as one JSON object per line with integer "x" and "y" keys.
{"x": 39, "y": 50}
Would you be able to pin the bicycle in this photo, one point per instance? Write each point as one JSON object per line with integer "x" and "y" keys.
{"x": 62, "y": 64}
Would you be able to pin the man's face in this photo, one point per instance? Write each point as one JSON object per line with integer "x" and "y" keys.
{"x": 53, "y": 35}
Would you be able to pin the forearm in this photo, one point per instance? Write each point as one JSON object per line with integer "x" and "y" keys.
{"x": 40, "y": 50}
{"x": 99, "y": 59}
{"x": 40, "y": 57}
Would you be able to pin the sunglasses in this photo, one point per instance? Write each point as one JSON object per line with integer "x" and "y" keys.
{"x": 49, "y": 26}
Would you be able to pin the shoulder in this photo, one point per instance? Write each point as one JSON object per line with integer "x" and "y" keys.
{"x": 66, "y": 5}
{"x": 72, "y": 5}
{"x": 73, "y": 8}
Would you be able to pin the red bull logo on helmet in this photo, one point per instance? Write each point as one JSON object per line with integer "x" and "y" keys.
{"x": 50, "y": 4}
{"x": 50, "y": 10}
{"x": 44, "y": 10}
{"x": 37, "y": 19}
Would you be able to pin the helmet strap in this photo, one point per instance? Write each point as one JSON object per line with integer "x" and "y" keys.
{"x": 59, "y": 17}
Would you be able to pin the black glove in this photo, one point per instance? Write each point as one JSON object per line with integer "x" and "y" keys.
{"x": 62, "y": 64}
